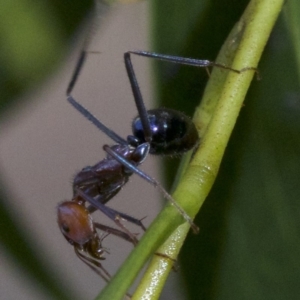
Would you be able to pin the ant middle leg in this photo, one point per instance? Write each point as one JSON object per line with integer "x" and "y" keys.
{"x": 94, "y": 264}
{"x": 116, "y": 215}
{"x": 114, "y": 231}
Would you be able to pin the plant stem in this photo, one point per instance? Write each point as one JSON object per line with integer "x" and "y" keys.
{"x": 215, "y": 120}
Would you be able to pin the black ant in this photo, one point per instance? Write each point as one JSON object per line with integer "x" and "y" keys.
{"x": 159, "y": 131}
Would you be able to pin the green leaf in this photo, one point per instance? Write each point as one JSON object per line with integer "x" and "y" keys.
{"x": 33, "y": 40}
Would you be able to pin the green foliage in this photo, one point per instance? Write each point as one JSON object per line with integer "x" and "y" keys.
{"x": 249, "y": 238}
{"x": 33, "y": 41}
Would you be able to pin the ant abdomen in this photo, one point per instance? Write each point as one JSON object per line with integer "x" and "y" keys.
{"x": 172, "y": 132}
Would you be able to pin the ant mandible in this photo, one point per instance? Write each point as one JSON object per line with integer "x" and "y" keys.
{"x": 160, "y": 131}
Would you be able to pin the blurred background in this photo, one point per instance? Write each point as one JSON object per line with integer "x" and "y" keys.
{"x": 45, "y": 142}
{"x": 248, "y": 246}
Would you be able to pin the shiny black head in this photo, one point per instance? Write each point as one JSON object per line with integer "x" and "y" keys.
{"x": 172, "y": 132}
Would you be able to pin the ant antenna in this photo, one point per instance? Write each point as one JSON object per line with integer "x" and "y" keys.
{"x": 95, "y": 17}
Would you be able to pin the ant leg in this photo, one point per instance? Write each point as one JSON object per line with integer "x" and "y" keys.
{"x": 99, "y": 7}
{"x": 151, "y": 180}
{"x": 135, "y": 87}
{"x": 202, "y": 63}
{"x": 83, "y": 110}
{"x": 115, "y": 137}
{"x": 76, "y": 72}
{"x": 138, "y": 97}
{"x": 174, "y": 59}
{"x": 112, "y": 214}
{"x": 94, "y": 265}
{"x": 97, "y": 267}
{"x": 96, "y": 203}
{"x": 116, "y": 232}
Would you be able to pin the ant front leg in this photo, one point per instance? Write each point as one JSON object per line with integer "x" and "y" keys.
{"x": 116, "y": 232}
{"x": 113, "y": 215}
{"x": 116, "y": 216}
{"x": 94, "y": 264}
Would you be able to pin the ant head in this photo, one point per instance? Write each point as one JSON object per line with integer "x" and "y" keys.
{"x": 75, "y": 222}
{"x": 172, "y": 132}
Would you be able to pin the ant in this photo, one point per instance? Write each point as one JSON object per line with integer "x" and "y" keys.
{"x": 160, "y": 131}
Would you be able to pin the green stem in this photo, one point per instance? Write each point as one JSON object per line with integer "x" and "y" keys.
{"x": 215, "y": 119}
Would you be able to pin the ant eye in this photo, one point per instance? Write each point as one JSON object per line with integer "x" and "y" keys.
{"x": 65, "y": 228}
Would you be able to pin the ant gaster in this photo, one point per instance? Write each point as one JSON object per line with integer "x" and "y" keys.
{"x": 159, "y": 131}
